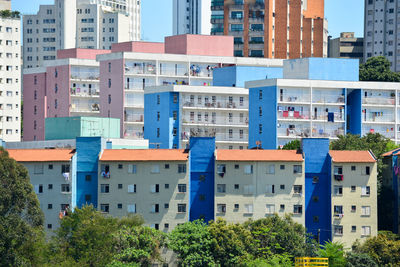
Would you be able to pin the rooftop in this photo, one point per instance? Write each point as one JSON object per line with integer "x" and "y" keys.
{"x": 144, "y": 155}
{"x": 40, "y": 155}
{"x": 347, "y": 156}
{"x": 258, "y": 155}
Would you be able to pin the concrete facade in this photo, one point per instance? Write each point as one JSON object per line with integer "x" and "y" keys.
{"x": 191, "y": 17}
{"x": 265, "y": 29}
{"x": 346, "y": 46}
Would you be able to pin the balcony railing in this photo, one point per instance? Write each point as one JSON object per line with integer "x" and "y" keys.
{"x": 328, "y": 98}
{"x": 217, "y": 104}
{"x": 132, "y": 134}
{"x": 234, "y": 137}
{"x": 133, "y": 118}
{"x": 293, "y": 115}
{"x": 378, "y": 117}
{"x": 140, "y": 68}
{"x": 294, "y": 98}
{"x": 85, "y": 76}
{"x": 217, "y": 120}
{"x": 91, "y": 92}
{"x": 379, "y": 101}
{"x": 320, "y": 132}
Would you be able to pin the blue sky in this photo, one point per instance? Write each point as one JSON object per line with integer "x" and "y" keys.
{"x": 342, "y": 15}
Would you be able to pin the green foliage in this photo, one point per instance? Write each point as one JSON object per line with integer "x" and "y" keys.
{"x": 378, "y": 69}
{"x": 384, "y": 248}
{"x": 334, "y": 252}
{"x": 359, "y": 259}
{"x": 292, "y": 145}
{"x": 138, "y": 245}
{"x": 192, "y": 242}
{"x": 277, "y": 236}
{"x": 274, "y": 261}
{"x": 21, "y": 219}
{"x": 232, "y": 243}
{"x": 10, "y": 14}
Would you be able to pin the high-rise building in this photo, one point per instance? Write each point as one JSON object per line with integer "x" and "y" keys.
{"x": 78, "y": 24}
{"x": 346, "y": 46}
{"x": 191, "y": 16}
{"x": 10, "y": 77}
{"x": 272, "y": 29}
{"x": 5, "y": 4}
{"x": 380, "y": 31}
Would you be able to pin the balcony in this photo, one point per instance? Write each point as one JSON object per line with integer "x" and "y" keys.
{"x": 236, "y": 19}
{"x": 294, "y": 130}
{"x": 173, "y": 70}
{"x": 85, "y": 107}
{"x": 334, "y": 117}
{"x": 217, "y": 5}
{"x": 321, "y": 131}
{"x": 326, "y": 97}
{"x": 80, "y": 73}
{"x": 133, "y": 118}
{"x": 219, "y": 136}
{"x": 217, "y": 30}
{"x": 378, "y": 101}
{"x": 216, "y": 105}
{"x": 387, "y": 131}
{"x": 202, "y": 70}
{"x": 89, "y": 93}
{"x": 293, "y": 115}
{"x": 259, "y": 19}
{"x": 133, "y": 134}
{"x": 144, "y": 68}
{"x": 293, "y": 98}
{"x": 224, "y": 121}
{"x": 378, "y": 116}
{"x": 338, "y": 177}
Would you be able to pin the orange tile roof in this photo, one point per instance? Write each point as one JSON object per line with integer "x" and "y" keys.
{"x": 258, "y": 155}
{"x": 394, "y": 152}
{"x": 144, "y": 155}
{"x": 40, "y": 155}
{"x": 352, "y": 156}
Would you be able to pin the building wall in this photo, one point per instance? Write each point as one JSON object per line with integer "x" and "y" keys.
{"x": 58, "y": 92}
{"x": 350, "y": 198}
{"x": 354, "y": 112}
{"x": 34, "y": 99}
{"x": 238, "y": 75}
{"x": 81, "y": 53}
{"x": 167, "y": 180}
{"x": 139, "y": 47}
{"x": 191, "y": 17}
{"x": 5, "y": 5}
{"x": 282, "y": 180}
{"x": 51, "y": 197}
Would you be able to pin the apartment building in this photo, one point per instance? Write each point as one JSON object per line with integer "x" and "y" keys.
{"x": 50, "y": 174}
{"x": 272, "y": 29}
{"x": 188, "y": 60}
{"x": 380, "y": 31}
{"x": 313, "y": 101}
{"x": 332, "y": 193}
{"x": 10, "y": 73}
{"x": 153, "y": 183}
{"x": 346, "y": 46}
{"x": 174, "y": 113}
{"x": 66, "y": 87}
{"x": 192, "y": 17}
{"x": 78, "y": 24}
{"x": 5, "y": 5}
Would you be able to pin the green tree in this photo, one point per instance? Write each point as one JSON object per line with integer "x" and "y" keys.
{"x": 232, "y": 243}
{"x": 193, "y": 243}
{"x": 384, "y": 248}
{"x": 86, "y": 236}
{"x": 292, "y": 145}
{"x": 359, "y": 259}
{"x": 274, "y": 261}
{"x": 378, "y": 69}
{"x": 334, "y": 251}
{"x": 277, "y": 236}
{"x": 21, "y": 219}
{"x": 138, "y": 245}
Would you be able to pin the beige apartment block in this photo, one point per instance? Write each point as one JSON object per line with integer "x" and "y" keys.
{"x": 255, "y": 184}
{"x": 151, "y": 183}
{"x": 354, "y": 196}
{"x": 49, "y": 171}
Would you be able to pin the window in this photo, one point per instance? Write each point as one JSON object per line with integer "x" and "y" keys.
{"x": 65, "y": 168}
{"x": 181, "y": 168}
{"x": 338, "y": 230}
{"x": 353, "y": 168}
{"x": 297, "y": 169}
{"x": 282, "y": 207}
{"x": 260, "y": 130}
{"x": 155, "y": 168}
{"x": 221, "y": 188}
{"x": 65, "y": 188}
{"x": 155, "y": 188}
{"x": 88, "y": 178}
{"x": 271, "y": 169}
{"x": 221, "y": 208}
{"x": 120, "y": 166}
{"x": 49, "y": 206}
{"x": 297, "y": 209}
{"x": 88, "y": 198}
{"x": 270, "y": 189}
{"x": 119, "y": 205}
{"x": 120, "y": 186}
{"x": 260, "y": 94}
{"x": 353, "y": 208}
{"x": 338, "y": 190}
{"x": 270, "y": 209}
{"x": 49, "y": 226}
{"x": 236, "y": 166}
{"x": 50, "y": 166}
{"x": 338, "y": 210}
{"x": 367, "y": 170}
{"x": 131, "y": 168}
{"x": 182, "y": 188}
{"x": 50, "y": 186}
{"x": 221, "y": 169}
{"x": 132, "y": 188}
{"x": 316, "y": 219}
{"x": 105, "y": 188}
{"x": 282, "y": 187}
{"x": 155, "y": 208}
{"x": 236, "y": 186}
{"x": 366, "y": 230}
{"x": 353, "y": 188}
{"x": 248, "y": 169}
{"x": 315, "y": 198}
{"x": 181, "y": 208}
{"x": 315, "y": 179}
{"x": 282, "y": 167}
{"x": 131, "y": 208}
{"x": 338, "y": 170}
{"x": 353, "y": 228}
{"x": 297, "y": 189}
{"x": 248, "y": 208}
{"x": 365, "y": 211}
{"x": 105, "y": 208}
{"x": 175, "y": 115}
{"x": 365, "y": 191}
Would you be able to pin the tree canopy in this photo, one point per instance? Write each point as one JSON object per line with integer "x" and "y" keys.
{"x": 21, "y": 219}
{"x": 378, "y": 69}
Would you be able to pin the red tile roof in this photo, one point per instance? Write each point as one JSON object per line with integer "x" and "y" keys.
{"x": 258, "y": 155}
{"x": 144, "y": 155}
{"x": 352, "y": 156}
{"x": 394, "y": 152}
{"x": 40, "y": 155}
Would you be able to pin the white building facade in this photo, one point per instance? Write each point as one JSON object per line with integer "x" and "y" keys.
{"x": 78, "y": 24}
{"x": 191, "y": 16}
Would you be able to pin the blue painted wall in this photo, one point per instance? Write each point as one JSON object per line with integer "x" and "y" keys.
{"x": 354, "y": 112}
{"x": 202, "y": 163}
{"x": 318, "y": 163}
{"x": 238, "y": 75}
{"x": 87, "y": 150}
{"x": 74, "y": 182}
{"x": 166, "y": 123}
{"x": 268, "y": 120}
{"x": 335, "y": 69}
{"x": 2, "y": 143}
